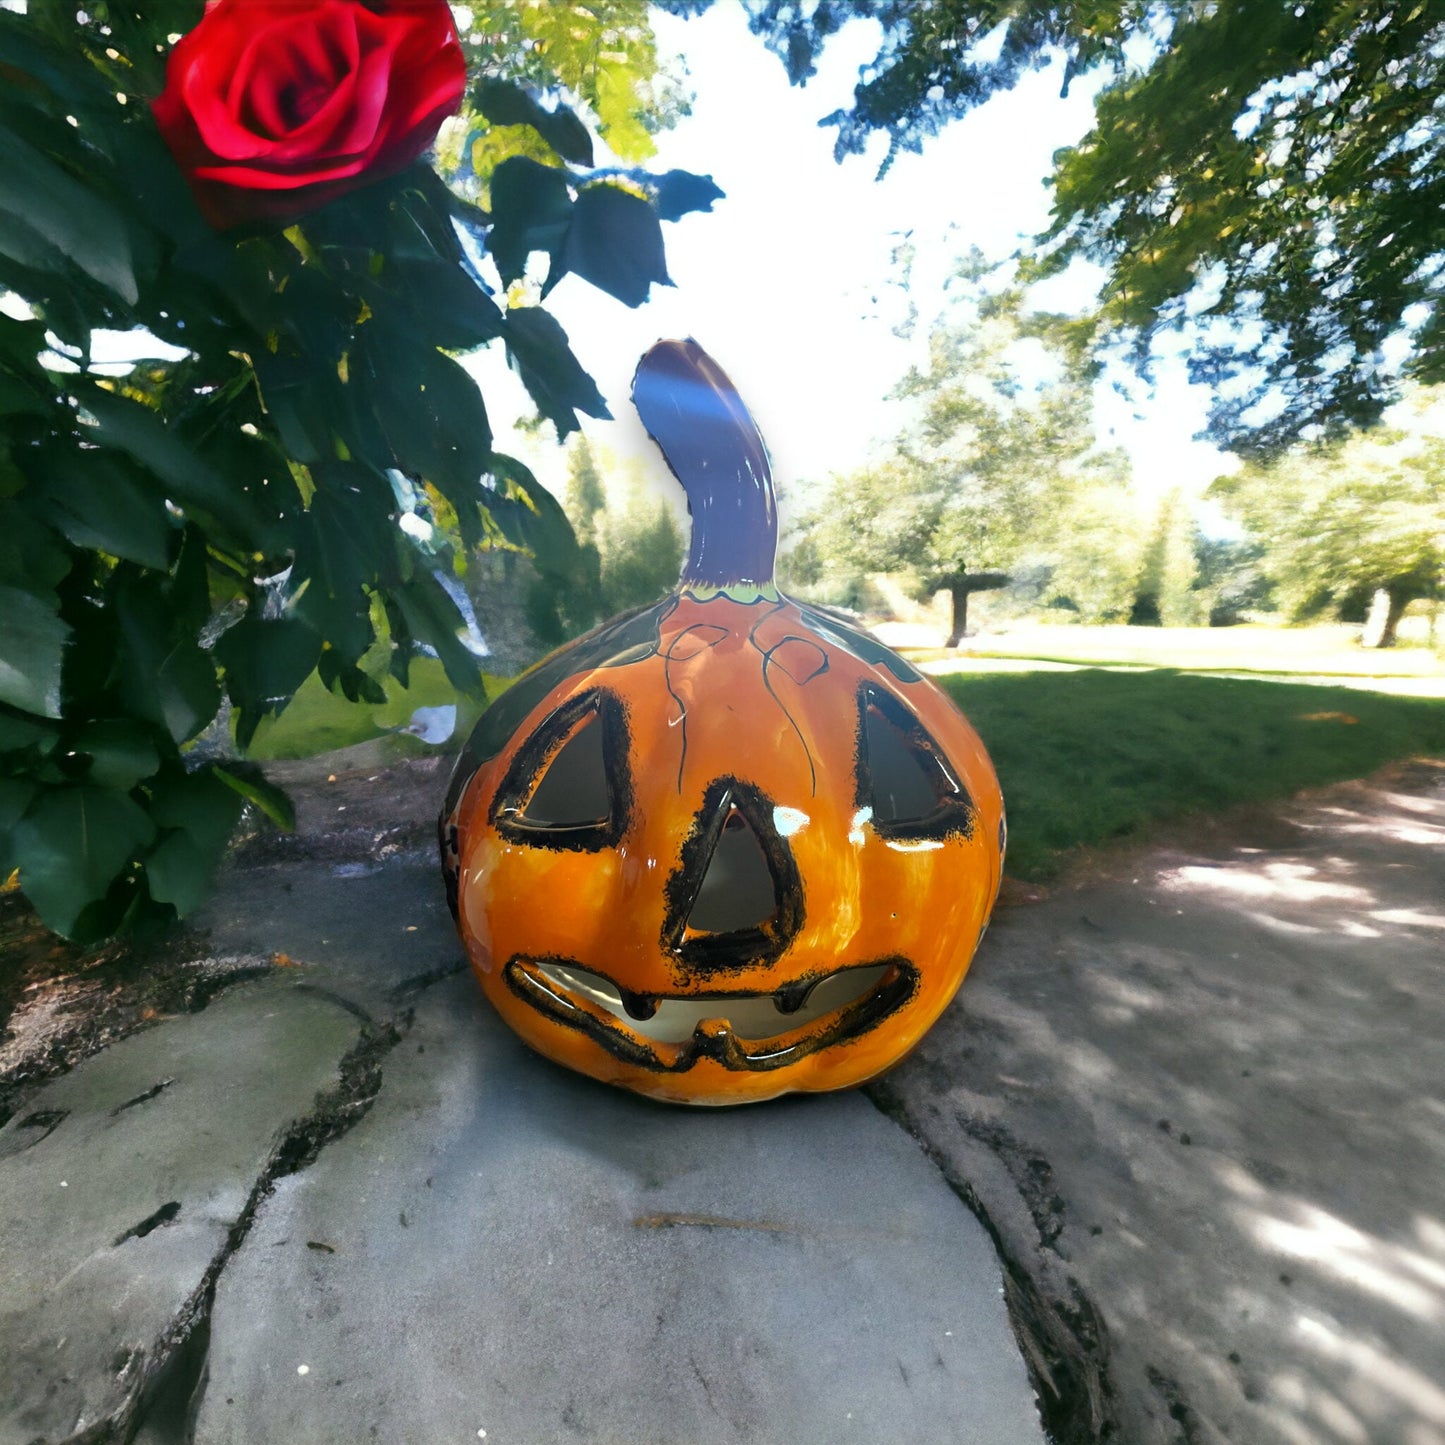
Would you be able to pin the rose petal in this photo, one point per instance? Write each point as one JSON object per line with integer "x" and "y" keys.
{"x": 274, "y": 107}
{"x": 280, "y": 66}
{"x": 429, "y": 77}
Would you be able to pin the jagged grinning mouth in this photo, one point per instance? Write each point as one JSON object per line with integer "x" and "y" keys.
{"x": 747, "y": 1031}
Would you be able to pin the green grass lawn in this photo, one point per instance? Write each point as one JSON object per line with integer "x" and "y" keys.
{"x": 316, "y": 721}
{"x": 1324, "y": 650}
{"x": 1091, "y": 755}
{"x": 1083, "y": 755}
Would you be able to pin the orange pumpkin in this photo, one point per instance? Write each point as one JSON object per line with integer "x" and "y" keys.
{"x": 726, "y": 846}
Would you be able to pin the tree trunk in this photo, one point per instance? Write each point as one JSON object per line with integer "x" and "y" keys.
{"x": 959, "y": 585}
{"x": 1398, "y": 602}
{"x": 959, "y": 592}
{"x": 1383, "y": 621}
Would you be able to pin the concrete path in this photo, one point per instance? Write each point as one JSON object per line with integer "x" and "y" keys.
{"x": 1200, "y": 1094}
{"x": 318, "y": 1193}
{"x": 341, "y": 1202}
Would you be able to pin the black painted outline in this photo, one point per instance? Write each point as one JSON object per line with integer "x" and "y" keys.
{"x": 625, "y": 639}
{"x": 761, "y": 944}
{"x": 524, "y": 773}
{"x": 953, "y": 815}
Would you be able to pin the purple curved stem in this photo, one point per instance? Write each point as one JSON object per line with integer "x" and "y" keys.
{"x": 695, "y": 415}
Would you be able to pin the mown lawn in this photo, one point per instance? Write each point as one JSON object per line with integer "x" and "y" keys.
{"x": 1091, "y": 755}
{"x": 316, "y": 721}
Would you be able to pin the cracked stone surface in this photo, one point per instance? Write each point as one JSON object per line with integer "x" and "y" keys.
{"x": 503, "y": 1246}
{"x": 1194, "y": 1097}
{"x": 120, "y": 1183}
{"x": 465, "y": 1237}
{"x": 1201, "y": 1089}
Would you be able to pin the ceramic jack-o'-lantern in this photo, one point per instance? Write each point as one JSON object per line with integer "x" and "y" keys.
{"x": 726, "y": 846}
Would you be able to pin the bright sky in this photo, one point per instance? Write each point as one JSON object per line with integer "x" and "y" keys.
{"x": 786, "y": 281}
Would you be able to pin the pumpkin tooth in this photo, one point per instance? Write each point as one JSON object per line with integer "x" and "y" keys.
{"x": 792, "y": 996}
{"x": 638, "y": 1005}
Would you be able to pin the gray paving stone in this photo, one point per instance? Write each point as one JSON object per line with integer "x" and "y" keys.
{"x": 502, "y": 1247}
{"x": 119, "y": 1183}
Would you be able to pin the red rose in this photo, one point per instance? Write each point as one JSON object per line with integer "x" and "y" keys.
{"x": 273, "y": 107}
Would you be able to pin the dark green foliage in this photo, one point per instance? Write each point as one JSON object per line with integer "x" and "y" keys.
{"x": 1272, "y": 172}
{"x": 1340, "y": 520}
{"x": 1230, "y": 579}
{"x": 641, "y": 556}
{"x": 225, "y": 523}
{"x": 1088, "y": 756}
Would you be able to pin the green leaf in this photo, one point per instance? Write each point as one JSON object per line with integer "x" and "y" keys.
{"x": 180, "y": 873}
{"x": 20, "y": 732}
{"x": 188, "y": 477}
{"x": 121, "y": 753}
{"x": 203, "y": 803}
{"x": 99, "y": 500}
{"x": 531, "y": 517}
{"x": 32, "y": 652}
{"x": 40, "y": 200}
{"x": 675, "y": 193}
{"x": 301, "y": 401}
{"x": 350, "y": 681}
{"x": 198, "y": 813}
{"x": 165, "y": 676}
{"x": 31, "y": 555}
{"x": 541, "y": 356}
{"x": 15, "y": 796}
{"x": 439, "y": 300}
{"x": 25, "y": 389}
{"x": 504, "y": 103}
{"x": 531, "y": 209}
{"x": 430, "y": 412}
{"x": 431, "y": 616}
{"x": 615, "y": 242}
{"x": 266, "y": 796}
{"x": 346, "y": 542}
{"x": 72, "y": 844}
{"x": 266, "y": 660}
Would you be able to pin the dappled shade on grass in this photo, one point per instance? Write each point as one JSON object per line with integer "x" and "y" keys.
{"x": 1091, "y": 755}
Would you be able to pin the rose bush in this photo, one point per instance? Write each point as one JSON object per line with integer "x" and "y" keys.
{"x": 274, "y": 107}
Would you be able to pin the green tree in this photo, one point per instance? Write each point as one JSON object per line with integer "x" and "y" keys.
{"x": 1002, "y": 446}
{"x": 1346, "y": 518}
{"x": 227, "y": 522}
{"x": 1096, "y": 575}
{"x": 1165, "y": 594}
{"x": 586, "y": 496}
{"x": 642, "y": 549}
{"x": 1230, "y": 578}
{"x": 1273, "y": 174}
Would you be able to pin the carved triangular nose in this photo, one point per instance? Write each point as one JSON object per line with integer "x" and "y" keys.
{"x": 737, "y": 889}
{"x": 735, "y": 899}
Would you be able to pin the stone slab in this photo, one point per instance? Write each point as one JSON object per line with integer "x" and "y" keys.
{"x": 503, "y": 1247}
{"x": 120, "y": 1182}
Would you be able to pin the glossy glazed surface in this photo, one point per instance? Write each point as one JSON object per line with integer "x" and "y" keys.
{"x": 727, "y": 708}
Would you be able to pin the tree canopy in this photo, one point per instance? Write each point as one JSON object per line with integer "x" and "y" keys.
{"x": 243, "y": 507}
{"x": 1269, "y": 174}
{"x": 1000, "y": 454}
{"x": 1340, "y": 520}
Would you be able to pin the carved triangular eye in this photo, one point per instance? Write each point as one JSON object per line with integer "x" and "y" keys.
{"x": 904, "y": 780}
{"x": 735, "y": 899}
{"x": 572, "y": 791}
{"x": 569, "y": 785}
